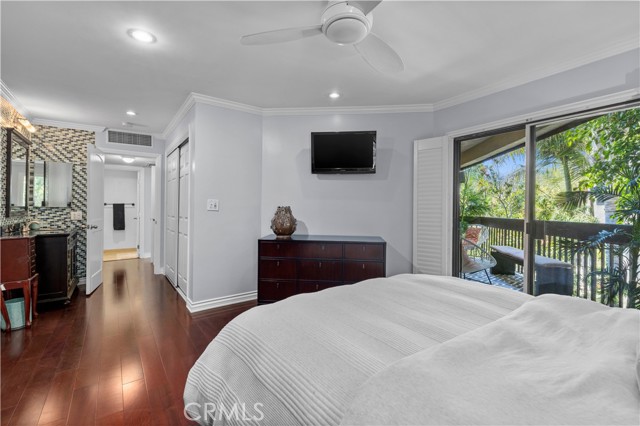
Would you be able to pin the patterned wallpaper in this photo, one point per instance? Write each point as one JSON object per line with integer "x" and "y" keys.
{"x": 63, "y": 146}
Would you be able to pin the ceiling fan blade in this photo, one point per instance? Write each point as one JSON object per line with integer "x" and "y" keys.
{"x": 281, "y": 36}
{"x": 365, "y": 6}
{"x": 379, "y": 55}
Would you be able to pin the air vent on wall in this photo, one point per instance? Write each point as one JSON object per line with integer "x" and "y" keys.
{"x": 129, "y": 138}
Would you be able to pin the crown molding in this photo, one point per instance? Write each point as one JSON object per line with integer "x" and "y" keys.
{"x": 548, "y": 113}
{"x": 237, "y": 106}
{"x": 8, "y": 95}
{"x": 194, "y": 98}
{"x": 383, "y": 109}
{"x": 68, "y": 125}
{"x": 616, "y": 49}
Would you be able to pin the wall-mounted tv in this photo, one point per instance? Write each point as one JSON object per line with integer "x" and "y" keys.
{"x": 343, "y": 152}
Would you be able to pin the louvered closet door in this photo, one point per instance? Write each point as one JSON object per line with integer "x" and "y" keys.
{"x": 432, "y": 206}
{"x": 171, "y": 209}
{"x": 183, "y": 218}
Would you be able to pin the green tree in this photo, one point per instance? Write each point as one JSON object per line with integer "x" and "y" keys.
{"x": 613, "y": 140}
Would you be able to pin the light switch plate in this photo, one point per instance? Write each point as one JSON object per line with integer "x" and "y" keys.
{"x": 212, "y": 205}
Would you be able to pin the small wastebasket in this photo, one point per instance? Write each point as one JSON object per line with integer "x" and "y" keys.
{"x": 15, "y": 308}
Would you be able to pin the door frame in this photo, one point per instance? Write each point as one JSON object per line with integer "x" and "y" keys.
{"x": 529, "y": 121}
{"x": 156, "y": 247}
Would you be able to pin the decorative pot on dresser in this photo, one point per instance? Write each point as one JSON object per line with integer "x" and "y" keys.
{"x": 309, "y": 263}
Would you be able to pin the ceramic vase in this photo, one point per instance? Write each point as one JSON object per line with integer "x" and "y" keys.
{"x": 283, "y": 223}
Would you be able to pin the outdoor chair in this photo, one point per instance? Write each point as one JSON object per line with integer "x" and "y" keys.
{"x": 475, "y": 259}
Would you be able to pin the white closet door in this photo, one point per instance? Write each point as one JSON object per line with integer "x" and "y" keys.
{"x": 171, "y": 208}
{"x": 432, "y": 206}
{"x": 183, "y": 218}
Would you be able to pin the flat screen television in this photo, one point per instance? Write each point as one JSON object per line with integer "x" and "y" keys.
{"x": 343, "y": 152}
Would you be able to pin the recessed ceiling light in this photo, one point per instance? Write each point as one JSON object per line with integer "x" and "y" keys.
{"x": 142, "y": 36}
{"x": 128, "y": 160}
{"x": 334, "y": 95}
{"x": 131, "y": 112}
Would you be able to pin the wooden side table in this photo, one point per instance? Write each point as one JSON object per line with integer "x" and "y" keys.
{"x": 30, "y": 292}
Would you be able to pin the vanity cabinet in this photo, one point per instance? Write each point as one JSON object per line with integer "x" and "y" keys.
{"x": 310, "y": 263}
{"x": 56, "y": 263}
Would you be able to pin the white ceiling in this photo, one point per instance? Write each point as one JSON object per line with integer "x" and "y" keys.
{"x": 73, "y": 61}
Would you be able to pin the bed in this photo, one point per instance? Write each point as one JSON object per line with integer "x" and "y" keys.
{"x": 420, "y": 349}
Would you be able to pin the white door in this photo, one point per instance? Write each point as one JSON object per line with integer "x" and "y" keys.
{"x": 171, "y": 221}
{"x": 155, "y": 220}
{"x": 183, "y": 218}
{"x": 95, "y": 216}
{"x": 432, "y": 204}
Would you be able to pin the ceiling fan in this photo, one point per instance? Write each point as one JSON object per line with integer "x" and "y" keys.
{"x": 342, "y": 22}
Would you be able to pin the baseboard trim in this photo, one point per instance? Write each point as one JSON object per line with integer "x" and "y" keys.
{"x": 220, "y": 301}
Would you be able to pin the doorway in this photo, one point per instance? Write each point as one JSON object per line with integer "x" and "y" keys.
{"x": 553, "y": 206}
{"x": 128, "y": 229}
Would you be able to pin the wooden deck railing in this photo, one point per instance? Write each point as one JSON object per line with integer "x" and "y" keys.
{"x": 555, "y": 239}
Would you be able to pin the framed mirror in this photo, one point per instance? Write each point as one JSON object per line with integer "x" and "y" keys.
{"x": 17, "y": 179}
{"x": 52, "y": 184}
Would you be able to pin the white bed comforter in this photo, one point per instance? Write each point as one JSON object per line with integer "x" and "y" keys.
{"x": 555, "y": 360}
{"x": 303, "y": 360}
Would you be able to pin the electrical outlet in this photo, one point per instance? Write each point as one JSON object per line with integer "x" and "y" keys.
{"x": 76, "y": 215}
{"x": 212, "y": 205}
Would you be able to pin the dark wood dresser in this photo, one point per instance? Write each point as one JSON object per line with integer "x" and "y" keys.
{"x": 56, "y": 263}
{"x": 308, "y": 263}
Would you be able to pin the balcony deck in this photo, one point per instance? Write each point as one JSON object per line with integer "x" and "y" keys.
{"x": 513, "y": 282}
{"x": 553, "y": 240}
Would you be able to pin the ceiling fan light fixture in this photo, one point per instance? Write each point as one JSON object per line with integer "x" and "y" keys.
{"x": 334, "y": 95}
{"x": 345, "y": 24}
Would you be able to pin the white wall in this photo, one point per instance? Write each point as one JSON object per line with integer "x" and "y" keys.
{"x": 120, "y": 186}
{"x": 365, "y": 205}
{"x": 611, "y": 75}
{"x": 226, "y": 165}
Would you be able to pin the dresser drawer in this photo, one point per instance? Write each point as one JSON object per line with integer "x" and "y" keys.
{"x": 321, "y": 250}
{"x": 272, "y": 290}
{"x": 313, "y": 286}
{"x": 278, "y": 268}
{"x": 364, "y": 251}
{"x": 329, "y": 270}
{"x": 278, "y": 249}
{"x": 359, "y": 271}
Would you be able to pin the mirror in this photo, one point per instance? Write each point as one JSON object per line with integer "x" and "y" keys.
{"x": 17, "y": 174}
{"x": 52, "y": 184}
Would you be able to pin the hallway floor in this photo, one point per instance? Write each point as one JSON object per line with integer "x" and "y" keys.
{"x": 120, "y": 356}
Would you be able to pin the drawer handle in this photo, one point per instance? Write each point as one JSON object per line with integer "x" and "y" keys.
{"x": 364, "y": 248}
{"x": 278, "y": 264}
{"x": 277, "y": 285}
{"x": 363, "y": 266}
{"x": 316, "y": 286}
{"x": 277, "y": 246}
{"x": 320, "y": 265}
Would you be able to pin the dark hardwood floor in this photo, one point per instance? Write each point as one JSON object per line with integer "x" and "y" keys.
{"x": 120, "y": 356}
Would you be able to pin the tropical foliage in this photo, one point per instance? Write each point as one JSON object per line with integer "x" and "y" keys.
{"x": 592, "y": 163}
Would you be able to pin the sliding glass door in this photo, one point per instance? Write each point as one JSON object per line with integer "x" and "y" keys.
{"x": 586, "y": 219}
{"x": 553, "y": 207}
